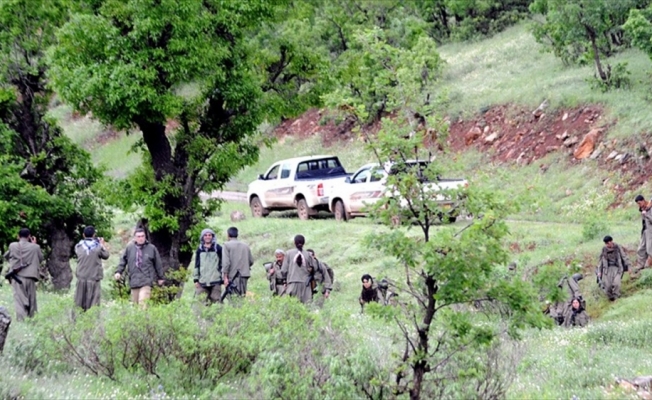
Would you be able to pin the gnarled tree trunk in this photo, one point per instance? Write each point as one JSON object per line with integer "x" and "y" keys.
{"x": 58, "y": 263}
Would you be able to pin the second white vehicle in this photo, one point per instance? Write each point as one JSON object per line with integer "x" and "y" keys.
{"x": 368, "y": 184}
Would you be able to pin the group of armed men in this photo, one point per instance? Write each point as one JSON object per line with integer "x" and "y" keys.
{"x": 295, "y": 272}
{"x": 612, "y": 265}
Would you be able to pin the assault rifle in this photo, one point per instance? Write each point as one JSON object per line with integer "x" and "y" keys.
{"x": 13, "y": 274}
{"x": 231, "y": 288}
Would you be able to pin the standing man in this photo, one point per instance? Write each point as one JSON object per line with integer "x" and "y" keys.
{"x": 236, "y": 261}
{"x": 90, "y": 253}
{"x": 24, "y": 257}
{"x": 208, "y": 267}
{"x": 613, "y": 263}
{"x": 274, "y": 275}
{"x": 323, "y": 275}
{"x": 143, "y": 264}
{"x": 644, "y": 253}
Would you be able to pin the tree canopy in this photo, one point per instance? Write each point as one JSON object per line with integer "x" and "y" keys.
{"x": 131, "y": 63}
{"x": 48, "y": 183}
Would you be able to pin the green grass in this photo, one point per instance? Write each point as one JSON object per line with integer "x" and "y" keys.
{"x": 512, "y": 68}
{"x": 554, "y": 354}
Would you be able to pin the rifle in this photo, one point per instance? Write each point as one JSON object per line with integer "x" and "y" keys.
{"x": 13, "y": 274}
{"x": 231, "y": 288}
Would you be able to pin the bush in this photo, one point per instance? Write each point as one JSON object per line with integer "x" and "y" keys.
{"x": 276, "y": 347}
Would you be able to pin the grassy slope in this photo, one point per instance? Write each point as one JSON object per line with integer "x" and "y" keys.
{"x": 511, "y": 68}
{"x": 508, "y": 68}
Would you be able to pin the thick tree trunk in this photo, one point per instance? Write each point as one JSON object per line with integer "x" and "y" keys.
{"x": 58, "y": 264}
{"x": 170, "y": 244}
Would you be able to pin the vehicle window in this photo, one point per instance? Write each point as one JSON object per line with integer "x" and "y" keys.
{"x": 273, "y": 173}
{"x": 361, "y": 177}
{"x": 319, "y": 168}
{"x": 376, "y": 175}
{"x": 285, "y": 171}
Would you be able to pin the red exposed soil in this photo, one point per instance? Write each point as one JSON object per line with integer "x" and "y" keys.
{"x": 513, "y": 134}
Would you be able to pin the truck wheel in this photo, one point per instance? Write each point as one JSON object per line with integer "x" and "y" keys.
{"x": 257, "y": 210}
{"x": 303, "y": 210}
{"x": 340, "y": 211}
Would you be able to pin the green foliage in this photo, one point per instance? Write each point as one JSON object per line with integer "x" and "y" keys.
{"x": 127, "y": 62}
{"x": 469, "y": 19}
{"x": 584, "y": 31}
{"x": 49, "y": 183}
{"x": 616, "y": 78}
{"x": 639, "y": 27}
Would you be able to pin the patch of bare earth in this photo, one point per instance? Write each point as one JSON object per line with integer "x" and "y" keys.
{"x": 514, "y": 134}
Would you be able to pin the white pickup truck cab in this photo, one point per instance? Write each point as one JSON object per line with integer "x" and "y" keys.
{"x": 302, "y": 183}
{"x": 367, "y": 185}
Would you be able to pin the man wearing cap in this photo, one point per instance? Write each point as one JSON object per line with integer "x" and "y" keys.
{"x": 644, "y": 252}
{"x": 613, "y": 263}
{"x": 274, "y": 276}
{"x": 90, "y": 252}
{"x": 207, "y": 275}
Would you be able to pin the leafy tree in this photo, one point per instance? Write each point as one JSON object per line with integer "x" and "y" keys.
{"x": 584, "y": 30}
{"x": 447, "y": 273}
{"x": 366, "y": 80}
{"x": 466, "y": 19}
{"x": 128, "y": 64}
{"x": 639, "y": 28}
{"x": 48, "y": 183}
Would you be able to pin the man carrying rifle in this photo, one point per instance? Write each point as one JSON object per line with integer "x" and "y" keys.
{"x": 613, "y": 263}
{"x": 274, "y": 275}
{"x": 323, "y": 276}
{"x": 236, "y": 262}
{"x": 24, "y": 257}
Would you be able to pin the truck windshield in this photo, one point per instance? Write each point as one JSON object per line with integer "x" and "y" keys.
{"x": 320, "y": 168}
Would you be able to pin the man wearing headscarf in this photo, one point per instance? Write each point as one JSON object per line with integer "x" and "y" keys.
{"x": 613, "y": 263}
{"x": 207, "y": 275}
{"x": 90, "y": 252}
{"x": 298, "y": 269}
{"x": 274, "y": 275}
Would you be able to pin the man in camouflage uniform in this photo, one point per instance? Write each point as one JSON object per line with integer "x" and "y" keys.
{"x": 613, "y": 263}
{"x": 274, "y": 274}
{"x": 323, "y": 277}
{"x": 236, "y": 261}
{"x": 90, "y": 252}
{"x": 24, "y": 257}
{"x": 644, "y": 252}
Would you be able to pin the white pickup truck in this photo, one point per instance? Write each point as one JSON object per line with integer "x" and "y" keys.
{"x": 302, "y": 183}
{"x": 351, "y": 197}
